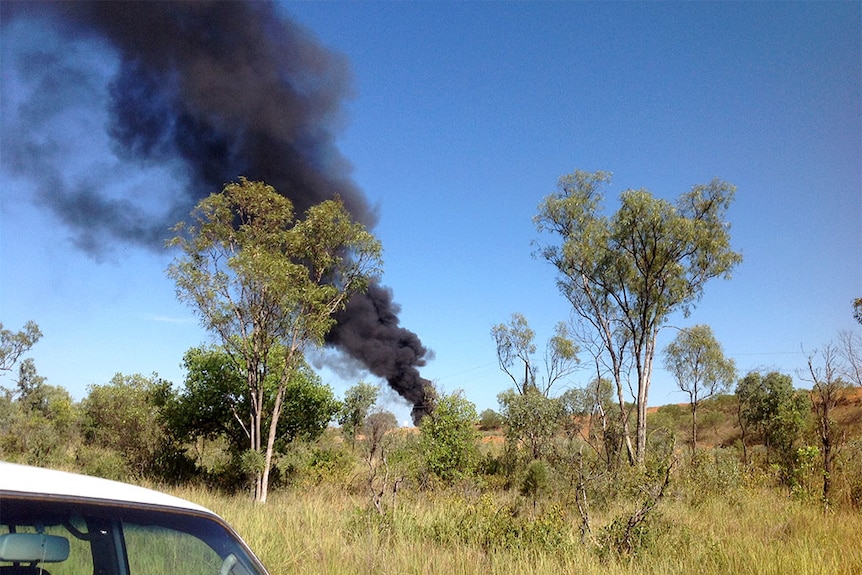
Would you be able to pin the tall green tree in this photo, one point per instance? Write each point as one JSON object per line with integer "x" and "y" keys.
{"x": 267, "y": 285}
{"x": 701, "y": 370}
{"x": 516, "y": 345}
{"x": 625, "y": 274}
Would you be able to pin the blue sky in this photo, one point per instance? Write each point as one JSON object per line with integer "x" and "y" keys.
{"x": 462, "y": 118}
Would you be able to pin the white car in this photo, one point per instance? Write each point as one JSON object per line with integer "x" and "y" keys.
{"x": 56, "y": 523}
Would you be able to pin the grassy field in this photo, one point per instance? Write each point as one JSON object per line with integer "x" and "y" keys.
{"x": 323, "y": 530}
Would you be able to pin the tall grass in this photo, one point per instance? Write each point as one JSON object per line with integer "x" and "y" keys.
{"x": 326, "y": 530}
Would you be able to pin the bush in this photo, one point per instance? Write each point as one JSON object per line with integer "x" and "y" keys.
{"x": 490, "y": 524}
{"x": 312, "y": 463}
{"x": 535, "y": 481}
{"x": 490, "y": 420}
{"x": 102, "y": 462}
{"x": 623, "y": 537}
{"x": 711, "y": 472}
{"x": 449, "y": 438}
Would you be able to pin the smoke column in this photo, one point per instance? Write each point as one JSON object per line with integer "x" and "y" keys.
{"x": 223, "y": 89}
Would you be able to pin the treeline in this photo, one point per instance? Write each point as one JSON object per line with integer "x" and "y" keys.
{"x": 138, "y": 427}
{"x": 251, "y": 414}
{"x": 548, "y": 453}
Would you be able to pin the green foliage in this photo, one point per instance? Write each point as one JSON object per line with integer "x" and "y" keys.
{"x": 14, "y": 344}
{"x": 46, "y": 436}
{"x": 591, "y": 414}
{"x": 490, "y": 420}
{"x": 596, "y": 396}
{"x": 358, "y": 401}
{"x": 309, "y": 406}
{"x": 490, "y": 525}
{"x": 535, "y": 480}
{"x": 213, "y": 401}
{"x": 515, "y": 343}
{"x": 625, "y": 274}
{"x": 802, "y": 478}
{"x": 449, "y": 438}
{"x": 103, "y": 462}
{"x": 268, "y": 286}
{"x": 772, "y": 408}
{"x": 124, "y": 416}
{"x": 516, "y": 347}
{"x": 215, "y": 398}
{"x": 39, "y": 423}
{"x": 623, "y": 538}
{"x": 251, "y": 462}
{"x": 710, "y": 473}
{"x": 531, "y": 421}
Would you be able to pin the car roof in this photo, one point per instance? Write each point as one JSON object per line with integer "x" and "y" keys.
{"x": 27, "y": 480}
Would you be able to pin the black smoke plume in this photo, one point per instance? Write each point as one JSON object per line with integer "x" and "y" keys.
{"x": 368, "y": 331}
{"x": 221, "y": 89}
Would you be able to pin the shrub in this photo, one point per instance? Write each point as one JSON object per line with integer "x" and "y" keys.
{"x": 449, "y": 438}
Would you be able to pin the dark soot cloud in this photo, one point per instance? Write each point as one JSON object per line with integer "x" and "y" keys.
{"x": 223, "y": 89}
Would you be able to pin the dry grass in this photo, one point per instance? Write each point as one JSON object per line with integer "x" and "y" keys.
{"x": 324, "y": 530}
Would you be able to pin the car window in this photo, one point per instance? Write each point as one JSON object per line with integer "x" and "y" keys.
{"x": 115, "y": 539}
{"x": 156, "y": 550}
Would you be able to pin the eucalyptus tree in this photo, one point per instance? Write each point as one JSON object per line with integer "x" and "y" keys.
{"x": 267, "y": 284}
{"x": 531, "y": 420}
{"x": 701, "y": 370}
{"x": 14, "y": 344}
{"x": 515, "y": 343}
{"x": 828, "y": 390}
{"x": 625, "y": 274}
{"x": 832, "y": 372}
{"x": 357, "y": 404}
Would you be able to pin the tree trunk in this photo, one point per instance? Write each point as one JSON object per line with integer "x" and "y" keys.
{"x": 644, "y": 369}
{"x": 693, "y": 427}
{"x": 641, "y": 430}
{"x": 824, "y": 411}
{"x": 270, "y": 441}
{"x": 624, "y": 417}
{"x": 255, "y": 435}
{"x": 742, "y": 429}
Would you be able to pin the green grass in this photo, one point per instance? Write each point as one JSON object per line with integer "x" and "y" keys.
{"x": 325, "y": 530}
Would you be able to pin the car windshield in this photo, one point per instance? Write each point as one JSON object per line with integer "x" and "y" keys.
{"x": 114, "y": 539}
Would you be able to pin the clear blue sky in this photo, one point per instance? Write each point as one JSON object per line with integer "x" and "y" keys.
{"x": 461, "y": 119}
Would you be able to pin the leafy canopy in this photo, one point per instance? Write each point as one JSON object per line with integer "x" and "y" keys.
{"x": 625, "y": 274}
{"x": 268, "y": 286}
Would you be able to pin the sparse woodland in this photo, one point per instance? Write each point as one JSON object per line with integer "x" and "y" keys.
{"x": 757, "y": 473}
{"x": 470, "y": 494}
